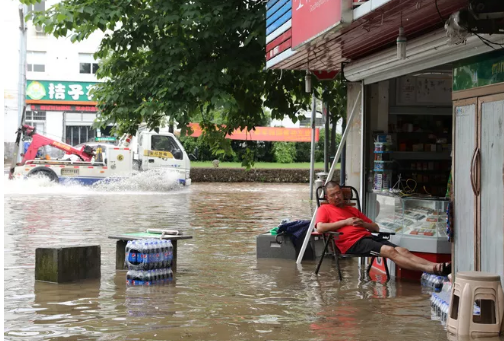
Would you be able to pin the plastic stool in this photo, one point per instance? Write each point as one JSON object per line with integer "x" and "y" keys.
{"x": 483, "y": 289}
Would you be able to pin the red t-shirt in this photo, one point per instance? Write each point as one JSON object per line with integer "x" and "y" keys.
{"x": 351, "y": 234}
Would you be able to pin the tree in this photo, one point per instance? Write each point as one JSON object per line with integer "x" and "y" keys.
{"x": 180, "y": 59}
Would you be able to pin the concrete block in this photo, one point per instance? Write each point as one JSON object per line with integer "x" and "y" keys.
{"x": 67, "y": 263}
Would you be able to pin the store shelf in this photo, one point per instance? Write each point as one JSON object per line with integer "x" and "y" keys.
{"x": 423, "y": 170}
{"x": 421, "y": 155}
{"x": 443, "y": 111}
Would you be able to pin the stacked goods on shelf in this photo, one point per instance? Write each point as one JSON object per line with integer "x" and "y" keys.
{"x": 149, "y": 262}
{"x": 423, "y": 150}
{"x": 382, "y": 164}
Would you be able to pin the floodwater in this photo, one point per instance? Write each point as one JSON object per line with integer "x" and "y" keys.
{"x": 220, "y": 292}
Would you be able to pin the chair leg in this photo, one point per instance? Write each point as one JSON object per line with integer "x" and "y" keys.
{"x": 386, "y": 269}
{"x": 338, "y": 267}
{"x": 323, "y": 254}
{"x": 370, "y": 265}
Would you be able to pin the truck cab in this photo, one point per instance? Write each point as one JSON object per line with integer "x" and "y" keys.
{"x": 161, "y": 150}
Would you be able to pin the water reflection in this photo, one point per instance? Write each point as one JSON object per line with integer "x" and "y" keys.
{"x": 221, "y": 291}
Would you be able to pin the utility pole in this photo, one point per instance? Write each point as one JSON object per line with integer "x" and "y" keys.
{"x": 23, "y": 11}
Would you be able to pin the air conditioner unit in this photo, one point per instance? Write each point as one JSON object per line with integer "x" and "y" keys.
{"x": 39, "y": 29}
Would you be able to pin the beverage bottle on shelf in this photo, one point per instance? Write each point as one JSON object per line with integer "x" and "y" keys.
{"x": 169, "y": 275}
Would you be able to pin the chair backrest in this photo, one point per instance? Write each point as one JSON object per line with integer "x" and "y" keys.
{"x": 350, "y": 194}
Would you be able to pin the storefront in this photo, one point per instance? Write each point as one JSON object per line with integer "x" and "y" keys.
{"x": 63, "y": 111}
{"x": 407, "y": 135}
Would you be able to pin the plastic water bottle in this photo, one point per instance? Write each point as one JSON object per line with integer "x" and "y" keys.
{"x": 129, "y": 277}
{"x": 170, "y": 253}
{"x": 157, "y": 250}
{"x": 145, "y": 255}
{"x": 148, "y": 278}
{"x": 438, "y": 283}
{"x": 169, "y": 275}
{"x": 151, "y": 255}
{"x": 423, "y": 279}
{"x": 161, "y": 254}
{"x": 166, "y": 257}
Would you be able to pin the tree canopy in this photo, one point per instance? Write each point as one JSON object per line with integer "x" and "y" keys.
{"x": 181, "y": 59}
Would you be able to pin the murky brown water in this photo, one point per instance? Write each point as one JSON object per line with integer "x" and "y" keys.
{"x": 221, "y": 291}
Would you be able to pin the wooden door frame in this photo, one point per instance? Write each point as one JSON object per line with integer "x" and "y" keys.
{"x": 481, "y": 100}
{"x": 456, "y": 104}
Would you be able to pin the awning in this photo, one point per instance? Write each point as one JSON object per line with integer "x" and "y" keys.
{"x": 370, "y": 33}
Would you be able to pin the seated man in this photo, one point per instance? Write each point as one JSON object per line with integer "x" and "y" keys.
{"x": 356, "y": 235}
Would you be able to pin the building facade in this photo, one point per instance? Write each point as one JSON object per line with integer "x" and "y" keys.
{"x": 60, "y": 75}
{"x": 427, "y": 103}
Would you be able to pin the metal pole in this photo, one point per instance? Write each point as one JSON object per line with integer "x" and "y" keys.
{"x": 326, "y": 137}
{"x": 312, "y": 152}
{"x": 343, "y": 157}
{"x": 23, "y": 9}
{"x": 329, "y": 177}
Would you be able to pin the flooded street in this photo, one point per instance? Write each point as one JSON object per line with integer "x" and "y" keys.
{"x": 221, "y": 291}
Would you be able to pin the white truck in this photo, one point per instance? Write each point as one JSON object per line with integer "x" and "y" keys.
{"x": 153, "y": 150}
{"x": 87, "y": 165}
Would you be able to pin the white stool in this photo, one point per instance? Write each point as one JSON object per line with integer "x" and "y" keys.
{"x": 470, "y": 287}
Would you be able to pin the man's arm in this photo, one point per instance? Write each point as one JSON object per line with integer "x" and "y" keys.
{"x": 326, "y": 227}
{"x": 373, "y": 227}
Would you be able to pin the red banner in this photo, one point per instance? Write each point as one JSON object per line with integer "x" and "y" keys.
{"x": 267, "y": 134}
{"x": 311, "y": 18}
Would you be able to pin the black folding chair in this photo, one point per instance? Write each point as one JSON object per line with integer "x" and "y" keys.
{"x": 352, "y": 196}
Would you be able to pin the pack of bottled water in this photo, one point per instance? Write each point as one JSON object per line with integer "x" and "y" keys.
{"x": 149, "y": 261}
{"x": 440, "y": 302}
{"x": 434, "y": 282}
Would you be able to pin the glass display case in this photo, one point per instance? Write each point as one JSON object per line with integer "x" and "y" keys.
{"x": 412, "y": 216}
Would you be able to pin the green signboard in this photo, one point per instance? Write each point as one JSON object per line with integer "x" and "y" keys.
{"x": 479, "y": 71}
{"x": 105, "y": 139}
{"x": 59, "y": 91}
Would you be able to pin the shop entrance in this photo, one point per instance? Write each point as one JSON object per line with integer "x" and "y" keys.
{"x": 407, "y": 158}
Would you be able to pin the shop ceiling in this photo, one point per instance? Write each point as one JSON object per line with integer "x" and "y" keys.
{"x": 371, "y": 33}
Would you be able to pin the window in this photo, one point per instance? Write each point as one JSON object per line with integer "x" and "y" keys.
{"x": 79, "y": 134}
{"x": 36, "y": 119}
{"x": 36, "y": 61}
{"x": 166, "y": 144}
{"x": 87, "y": 64}
{"x": 37, "y": 7}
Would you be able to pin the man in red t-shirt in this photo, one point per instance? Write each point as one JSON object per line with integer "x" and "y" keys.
{"x": 356, "y": 237}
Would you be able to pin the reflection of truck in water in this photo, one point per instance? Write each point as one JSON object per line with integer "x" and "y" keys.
{"x": 88, "y": 165}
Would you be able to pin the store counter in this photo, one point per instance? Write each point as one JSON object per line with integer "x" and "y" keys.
{"x": 419, "y": 224}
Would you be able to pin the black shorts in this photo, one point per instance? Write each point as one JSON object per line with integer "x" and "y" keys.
{"x": 371, "y": 245}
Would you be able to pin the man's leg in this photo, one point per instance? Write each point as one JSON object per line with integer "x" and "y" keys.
{"x": 406, "y": 253}
{"x": 406, "y": 262}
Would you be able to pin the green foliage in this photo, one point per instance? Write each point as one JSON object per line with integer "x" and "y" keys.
{"x": 186, "y": 60}
{"x": 284, "y": 152}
